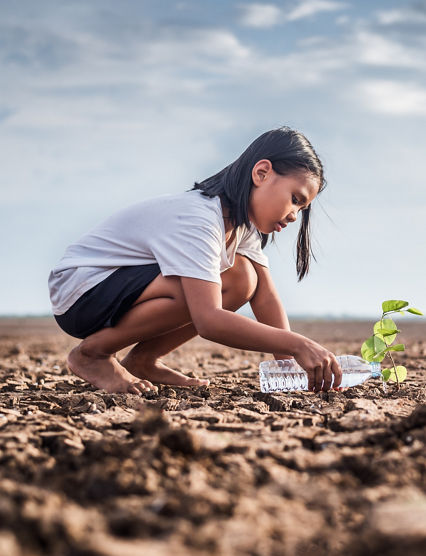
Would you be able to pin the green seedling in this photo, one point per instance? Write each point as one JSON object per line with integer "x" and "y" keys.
{"x": 381, "y": 343}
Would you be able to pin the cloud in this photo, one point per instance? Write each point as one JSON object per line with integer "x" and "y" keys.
{"x": 173, "y": 66}
{"x": 269, "y": 15}
{"x": 408, "y": 23}
{"x": 393, "y": 97}
{"x": 261, "y": 15}
{"x": 377, "y": 50}
{"x": 196, "y": 47}
{"x": 309, "y": 8}
{"x": 396, "y": 16}
{"x": 100, "y": 79}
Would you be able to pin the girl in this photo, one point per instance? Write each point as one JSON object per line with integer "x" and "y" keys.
{"x": 164, "y": 270}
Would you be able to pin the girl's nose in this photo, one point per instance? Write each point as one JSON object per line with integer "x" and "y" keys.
{"x": 292, "y": 216}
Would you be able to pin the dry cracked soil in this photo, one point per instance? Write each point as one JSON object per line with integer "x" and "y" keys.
{"x": 221, "y": 470}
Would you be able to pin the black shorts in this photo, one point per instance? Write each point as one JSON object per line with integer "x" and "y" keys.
{"x": 104, "y": 304}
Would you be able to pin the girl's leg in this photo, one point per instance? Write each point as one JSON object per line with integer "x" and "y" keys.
{"x": 143, "y": 359}
{"x": 238, "y": 286}
{"x": 160, "y": 309}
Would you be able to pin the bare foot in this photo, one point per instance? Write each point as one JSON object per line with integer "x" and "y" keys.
{"x": 106, "y": 373}
{"x": 157, "y": 372}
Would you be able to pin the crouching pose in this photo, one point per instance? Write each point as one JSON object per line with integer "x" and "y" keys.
{"x": 164, "y": 270}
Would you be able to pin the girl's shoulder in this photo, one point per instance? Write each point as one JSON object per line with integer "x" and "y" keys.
{"x": 189, "y": 203}
{"x": 173, "y": 211}
{"x": 194, "y": 197}
{"x": 185, "y": 202}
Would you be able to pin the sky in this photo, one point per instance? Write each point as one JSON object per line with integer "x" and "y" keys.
{"x": 106, "y": 103}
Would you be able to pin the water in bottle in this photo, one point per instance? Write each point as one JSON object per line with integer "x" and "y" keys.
{"x": 287, "y": 375}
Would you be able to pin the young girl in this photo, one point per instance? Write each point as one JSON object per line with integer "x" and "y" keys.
{"x": 164, "y": 270}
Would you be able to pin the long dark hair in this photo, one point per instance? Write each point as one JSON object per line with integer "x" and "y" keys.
{"x": 288, "y": 151}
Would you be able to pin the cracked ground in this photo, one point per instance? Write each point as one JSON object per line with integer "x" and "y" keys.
{"x": 221, "y": 470}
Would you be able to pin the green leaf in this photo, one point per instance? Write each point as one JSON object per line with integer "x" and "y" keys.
{"x": 386, "y": 330}
{"x": 387, "y": 323}
{"x": 372, "y": 349}
{"x": 393, "y": 305}
{"x": 386, "y": 374}
{"x": 401, "y": 373}
{"x": 396, "y": 347}
{"x": 414, "y": 311}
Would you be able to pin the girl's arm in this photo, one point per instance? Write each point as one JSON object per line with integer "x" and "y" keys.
{"x": 204, "y": 300}
{"x": 266, "y": 304}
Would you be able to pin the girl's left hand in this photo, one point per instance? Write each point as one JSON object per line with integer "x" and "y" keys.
{"x": 281, "y": 356}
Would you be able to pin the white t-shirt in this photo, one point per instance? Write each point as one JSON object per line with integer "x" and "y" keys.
{"x": 184, "y": 234}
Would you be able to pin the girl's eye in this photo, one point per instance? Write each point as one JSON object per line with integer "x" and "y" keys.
{"x": 295, "y": 200}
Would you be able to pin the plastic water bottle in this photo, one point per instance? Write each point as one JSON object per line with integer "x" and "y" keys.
{"x": 287, "y": 375}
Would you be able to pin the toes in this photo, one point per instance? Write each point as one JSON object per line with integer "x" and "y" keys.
{"x": 141, "y": 387}
{"x": 137, "y": 388}
{"x": 133, "y": 389}
{"x": 148, "y": 385}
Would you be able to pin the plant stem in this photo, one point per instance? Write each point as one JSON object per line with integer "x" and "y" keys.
{"x": 394, "y": 368}
{"x": 390, "y": 354}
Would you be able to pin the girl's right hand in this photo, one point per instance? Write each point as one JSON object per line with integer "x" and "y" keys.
{"x": 320, "y": 365}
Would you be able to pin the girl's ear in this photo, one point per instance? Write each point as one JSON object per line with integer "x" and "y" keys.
{"x": 261, "y": 172}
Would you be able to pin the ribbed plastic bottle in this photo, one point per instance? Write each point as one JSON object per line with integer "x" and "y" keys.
{"x": 287, "y": 375}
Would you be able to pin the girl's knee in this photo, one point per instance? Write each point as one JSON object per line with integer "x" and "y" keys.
{"x": 241, "y": 279}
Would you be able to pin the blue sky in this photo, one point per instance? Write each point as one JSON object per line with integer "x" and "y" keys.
{"x": 104, "y": 103}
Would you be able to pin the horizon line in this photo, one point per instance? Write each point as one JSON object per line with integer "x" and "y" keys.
{"x": 300, "y": 316}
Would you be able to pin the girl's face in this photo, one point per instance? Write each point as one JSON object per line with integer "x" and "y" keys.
{"x": 275, "y": 200}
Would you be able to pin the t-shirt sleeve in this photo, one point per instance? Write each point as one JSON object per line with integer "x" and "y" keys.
{"x": 250, "y": 247}
{"x": 190, "y": 246}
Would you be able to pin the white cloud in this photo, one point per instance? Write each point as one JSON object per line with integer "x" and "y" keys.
{"x": 392, "y": 17}
{"x": 308, "y": 8}
{"x": 268, "y": 15}
{"x": 261, "y": 15}
{"x": 393, "y": 97}
{"x": 377, "y": 50}
{"x": 180, "y": 68}
{"x": 196, "y": 45}
{"x": 169, "y": 68}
